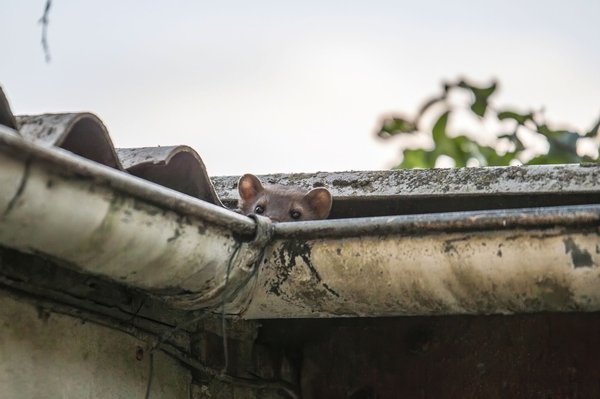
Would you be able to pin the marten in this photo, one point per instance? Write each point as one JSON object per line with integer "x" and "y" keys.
{"x": 282, "y": 203}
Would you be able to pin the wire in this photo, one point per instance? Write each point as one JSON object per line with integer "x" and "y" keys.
{"x": 223, "y": 299}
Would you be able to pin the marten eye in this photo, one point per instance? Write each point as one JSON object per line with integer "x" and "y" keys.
{"x": 295, "y": 214}
{"x": 259, "y": 210}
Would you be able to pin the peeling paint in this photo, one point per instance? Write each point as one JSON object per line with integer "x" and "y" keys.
{"x": 20, "y": 188}
{"x": 176, "y": 234}
{"x": 580, "y": 257}
{"x": 449, "y": 244}
{"x": 430, "y": 274}
{"x": 287, "y": 269}
{"x": 154, "y": 239}
{"x": 116, "y": 235}
{"x": 555, "y": 293}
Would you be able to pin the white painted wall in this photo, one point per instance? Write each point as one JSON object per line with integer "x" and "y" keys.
{"x": 50, "y": 355}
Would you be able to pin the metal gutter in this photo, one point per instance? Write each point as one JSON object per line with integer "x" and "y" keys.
{"x": 495, "y": 220}
{"x": 105, "y": 222}
{"x": 69, "y": 164}
{"x": 6, "y": 116}
{"x": 513, "y": 261}
{"x": 196, "y": 255}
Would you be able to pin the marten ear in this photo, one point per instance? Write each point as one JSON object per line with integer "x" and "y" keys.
{"x": 319, "y": 200}
{"x": 249, "y": 186}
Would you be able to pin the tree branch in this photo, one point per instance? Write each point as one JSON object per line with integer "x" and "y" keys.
{"x": 44, "y": 20}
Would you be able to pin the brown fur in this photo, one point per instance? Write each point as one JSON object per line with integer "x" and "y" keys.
{"x": 281, "y": 203}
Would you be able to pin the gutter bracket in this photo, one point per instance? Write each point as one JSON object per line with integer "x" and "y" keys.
{"x": 236, "y": 275}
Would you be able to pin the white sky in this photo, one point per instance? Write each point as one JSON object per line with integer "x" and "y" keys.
{"x": 269, "y": 86}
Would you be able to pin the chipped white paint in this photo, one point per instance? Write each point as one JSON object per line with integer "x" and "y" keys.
{"x": 460, "y": 273}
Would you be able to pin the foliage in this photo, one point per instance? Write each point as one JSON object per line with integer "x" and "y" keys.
{"x": 562, "y": 144}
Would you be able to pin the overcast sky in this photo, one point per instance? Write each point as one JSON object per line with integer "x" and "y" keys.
{"x": 267, "y": 86}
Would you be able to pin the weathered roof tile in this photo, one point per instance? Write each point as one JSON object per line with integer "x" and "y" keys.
{"x": 177, "y": 167}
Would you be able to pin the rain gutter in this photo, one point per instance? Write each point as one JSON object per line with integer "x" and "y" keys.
{"x": 105, "y": 222}
{"x": 197, "y": 255}
{"x": 477, "y": 262}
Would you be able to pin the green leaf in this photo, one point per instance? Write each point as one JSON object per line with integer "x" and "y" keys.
{"x": 466, "y": 148}
{"x": 593, "y": 132}
{"x": 513, "y": 138}
{"x": 555, "y": 156}
{"x": 548, "y": 132}
{"x": 478, "y": 152}
{"x": 568, "y": 141}
{"x": 539, "y": 160}
{"x": 589, "y": 161}
{"x": 479, "y": 106}
{"x": 396, "y": 125}
{"x": 439, "y": 129}
{"x": 429, "y": 104}
{"x": 494, "y": 159}
{"x": 417, "y": 158}
{"x": 520, "y": 118}
{"x": 460, "y": 150}
{"x": 481, "y": 96}
{"x": 519, "y": 144}
{"x": 509, "y": 136}
{"x": 480, "y": 103}
{"x": 563, "y": 144}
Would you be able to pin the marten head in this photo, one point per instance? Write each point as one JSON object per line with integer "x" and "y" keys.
{"x": 282, "y": 203}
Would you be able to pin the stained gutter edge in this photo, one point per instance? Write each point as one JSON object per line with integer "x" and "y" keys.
{"x": 500, "y": 219}
{"x": 142, "y": 189}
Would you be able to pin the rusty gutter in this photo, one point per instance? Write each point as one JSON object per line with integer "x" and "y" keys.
{"x": 102, "y": 221}
{"x": 476, "y": 262}
{"x": 196, "y": 255}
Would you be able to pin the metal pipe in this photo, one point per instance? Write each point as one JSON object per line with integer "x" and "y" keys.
{"x": 574, "y": 215}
